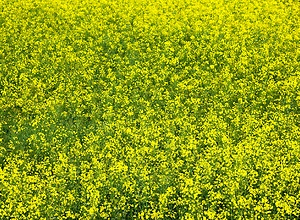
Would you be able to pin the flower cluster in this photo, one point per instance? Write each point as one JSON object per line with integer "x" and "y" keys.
{"x": 149, "y": 109}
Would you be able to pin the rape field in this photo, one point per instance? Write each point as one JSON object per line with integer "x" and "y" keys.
{"x": 149, "y": 109}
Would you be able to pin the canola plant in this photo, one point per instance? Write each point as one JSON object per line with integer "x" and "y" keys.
{"x": 149, "y": 109}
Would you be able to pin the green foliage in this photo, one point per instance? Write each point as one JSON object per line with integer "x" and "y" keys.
{"x": 149, "y": 109}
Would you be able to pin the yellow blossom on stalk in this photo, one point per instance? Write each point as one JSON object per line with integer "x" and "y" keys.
{"x": 149, "y": 109}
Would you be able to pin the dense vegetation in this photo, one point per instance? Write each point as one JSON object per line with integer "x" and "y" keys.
{"x": 149, "y": 109}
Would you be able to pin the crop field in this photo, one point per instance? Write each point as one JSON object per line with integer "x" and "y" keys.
{"x": 149, "y": 109}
